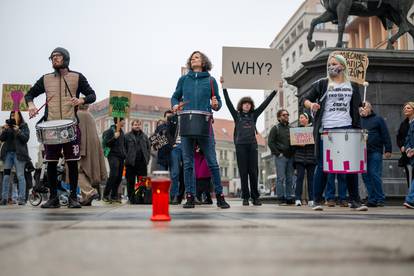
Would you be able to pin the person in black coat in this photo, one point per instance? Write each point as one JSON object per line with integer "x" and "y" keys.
{"x": 401, "y": 137}
{"x": 245, "y": 118}
{"x": 15, "y": 134}
{"x": 304, "y": 159}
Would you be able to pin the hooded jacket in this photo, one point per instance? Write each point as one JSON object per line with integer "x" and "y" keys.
{"x": 196, "y": 91}
{"x": 19, "y": 138}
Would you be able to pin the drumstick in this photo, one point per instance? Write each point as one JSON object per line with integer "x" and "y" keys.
{"x": 365, "y": 92}
{"x": 37, "y": 111}
{"x": 182, "y": 104}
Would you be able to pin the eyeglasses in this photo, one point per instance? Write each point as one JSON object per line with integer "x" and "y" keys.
{"x": 55, "y": 55}
{"x": 286, "y": 114}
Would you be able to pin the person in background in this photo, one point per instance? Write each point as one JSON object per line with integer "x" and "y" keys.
{"x": 304, "y": 160}
{"x": 379, "y": 141}
{"x": 14, "y": 153}
{"x": 409, "y": 150}
{"x": 279, "y": 144}
{"x": 404, "y": 161}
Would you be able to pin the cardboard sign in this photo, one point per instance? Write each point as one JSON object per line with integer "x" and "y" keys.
{"x": 301, "y": 136}
{"x": 357, "y": 65}
{"x": 119, "y": 104}
{"x": 13, "y": 97}
{"x": 251, "y": 68}
{"x": 158, "y": 140}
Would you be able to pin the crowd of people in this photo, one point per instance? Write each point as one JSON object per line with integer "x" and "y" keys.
{"x": 189, "y": 154}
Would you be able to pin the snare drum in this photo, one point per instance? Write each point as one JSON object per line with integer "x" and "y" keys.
{"x": 344, "y": 151}
{"x": 195, "y": 123}
{"x": 56, "y": 132}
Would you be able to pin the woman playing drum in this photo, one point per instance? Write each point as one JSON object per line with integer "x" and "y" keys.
{"x": 336, "y": 102}
{"x": 199, "y": 91}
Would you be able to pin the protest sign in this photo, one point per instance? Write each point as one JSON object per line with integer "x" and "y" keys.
{"x": 357, "y": 65}
{"x": 301, "y": 136}
{"x": 13, "y": 97}
{"x": 251, "y": 68}
{"x": 119, "y": 104}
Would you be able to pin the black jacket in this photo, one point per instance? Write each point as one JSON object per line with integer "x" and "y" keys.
{"x": 135, "y": 142}
{"x": 317, "y": 91}
{"x": 19, "y": 138}
{"x": 279, "y": 140}
{"x": 245, "y": 123}
{"x": 117, "y": 146}
{"x": 305, "y": 154}
{"x": 401, "y": 136}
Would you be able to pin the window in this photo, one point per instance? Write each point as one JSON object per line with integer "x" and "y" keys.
{"x": 225, "y": 155}
{"x": 293, "y": 57}
{"x": 221, "y": 155}
{"x": 281, "y": 49}
{"x": 225, "y": 172}
{"x": 293, "y": 35}
{"x": 235, "y": 172}
{"x": 234, "y": 155}
{"x": 300, "y": 26}
{"x": 300, "y": 50}
{"x": 287, "y": 63}
{"x": 146, "y": 128}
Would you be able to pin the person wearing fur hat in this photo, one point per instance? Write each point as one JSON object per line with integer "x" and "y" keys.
{"x": 245, "y": 117}
{"x": 63, "y": 89}
{"x": 335, "y": 100}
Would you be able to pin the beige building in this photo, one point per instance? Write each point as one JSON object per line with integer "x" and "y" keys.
{"x": 150, "y": 109}
{"x": 292, "y": 42}
{"x": 368, "y": 32}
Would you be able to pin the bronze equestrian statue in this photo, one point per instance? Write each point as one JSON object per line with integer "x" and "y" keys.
{"x": 337, "y": 12}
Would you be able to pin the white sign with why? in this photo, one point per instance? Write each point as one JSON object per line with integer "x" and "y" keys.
{"x": 251, "y": 68}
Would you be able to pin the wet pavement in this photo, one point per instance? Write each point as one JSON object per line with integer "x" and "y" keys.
{"x": 266, "y": 240}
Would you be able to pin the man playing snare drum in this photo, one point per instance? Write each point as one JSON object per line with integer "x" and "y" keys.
{"x": 63, "y": 88}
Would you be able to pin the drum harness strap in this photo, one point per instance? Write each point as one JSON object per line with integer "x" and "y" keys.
{"x": 212, "y": 95}
{"x": 70, "y": 93}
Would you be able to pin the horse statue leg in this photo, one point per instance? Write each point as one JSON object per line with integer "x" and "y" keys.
{"x": 325, "y": 17}
{"x": 342, "y": 11}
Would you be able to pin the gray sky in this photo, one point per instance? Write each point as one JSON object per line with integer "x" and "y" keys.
{"x": 137, "y": 46}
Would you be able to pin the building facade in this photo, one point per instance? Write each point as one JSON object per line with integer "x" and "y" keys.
{"x": 150, "y": 109}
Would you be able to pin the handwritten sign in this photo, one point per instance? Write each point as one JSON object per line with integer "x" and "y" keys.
{"x": 251, "y": 68}
{"x": 8, "y": 97}
{"x": 301, "y": 136}
{"x": 357, "y": 65}
{"x": 158, "y": 140}
{"x": 119, "y": 104}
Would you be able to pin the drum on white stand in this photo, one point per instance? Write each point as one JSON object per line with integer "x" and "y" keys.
{"x": 56, "y": 132}
{"x": 344, "y": 151}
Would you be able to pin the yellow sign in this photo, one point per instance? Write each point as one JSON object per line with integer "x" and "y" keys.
{"x": 119, "y": 104}
{"x": 357, "y": 65}
{"x": 13, "y": 97}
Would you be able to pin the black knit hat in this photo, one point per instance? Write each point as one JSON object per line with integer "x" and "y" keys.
{"x": 65, "y": 54}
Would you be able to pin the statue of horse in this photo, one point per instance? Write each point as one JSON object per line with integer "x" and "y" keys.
{"x": 337, "y": 12}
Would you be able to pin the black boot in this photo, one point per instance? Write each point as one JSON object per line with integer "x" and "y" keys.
{"x": 245, "y": 202}
{"x": 221, "y": 203}
{"x": 208, "y": 200}
{"x": 190, "y": 202}
{"x": 74, "y": 203}
{"x": 53, "y": 202}
{"x": 257, "y": 202}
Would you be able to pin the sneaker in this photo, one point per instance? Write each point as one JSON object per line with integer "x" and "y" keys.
{"x": 343, "y": 203}
{"x": 221, "y": 202}
{"x": 197, "y": 201}
{"x": 298, "y": 202}
{"x": 106, "y": 200}
{"x": 257, "y": 202}
{"x": 3, "y": 202}
{"x": 207, "y": 201}
{"x": 311, "y": 203}
{"x": 318, "y": 208}
{"x": 358, "y": 207}
{"x": 190, "y": 202}
{"x": 51, "y": 203}
{"x": 409, "y": 205}
{"x": 245, "y": 202}
{"x": 331, "y": 203}
{"x": 21, "y": 202}
{"x": 74, "y": 203}
{"x": 380, "y": 204}
{"x": 290, "y": 201}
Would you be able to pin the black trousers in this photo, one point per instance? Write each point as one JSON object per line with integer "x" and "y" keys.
{"x": 132, "y": 173}
{"x": 53, "y": 180}
{"x": 116, "y": 165}
{"x": 247, "y": 161}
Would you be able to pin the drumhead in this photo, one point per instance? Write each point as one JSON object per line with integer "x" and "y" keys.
{"x": 55, "y": 123}
{"x": 185, "y": 112}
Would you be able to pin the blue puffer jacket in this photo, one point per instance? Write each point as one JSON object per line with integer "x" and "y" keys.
{"x": 378, "y": 135}
{"x": 195, "y": 88}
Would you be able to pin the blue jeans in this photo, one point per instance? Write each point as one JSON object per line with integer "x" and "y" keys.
{"x": 207, "y": 145}
{"x": 11, "y": 159}
{"x": 373, "y": 178}
{"x": 284, "y": 183}
{"x": 176, "y": 163}
{"x": 410, "y": 196}
{"x": 330, "y": 191}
